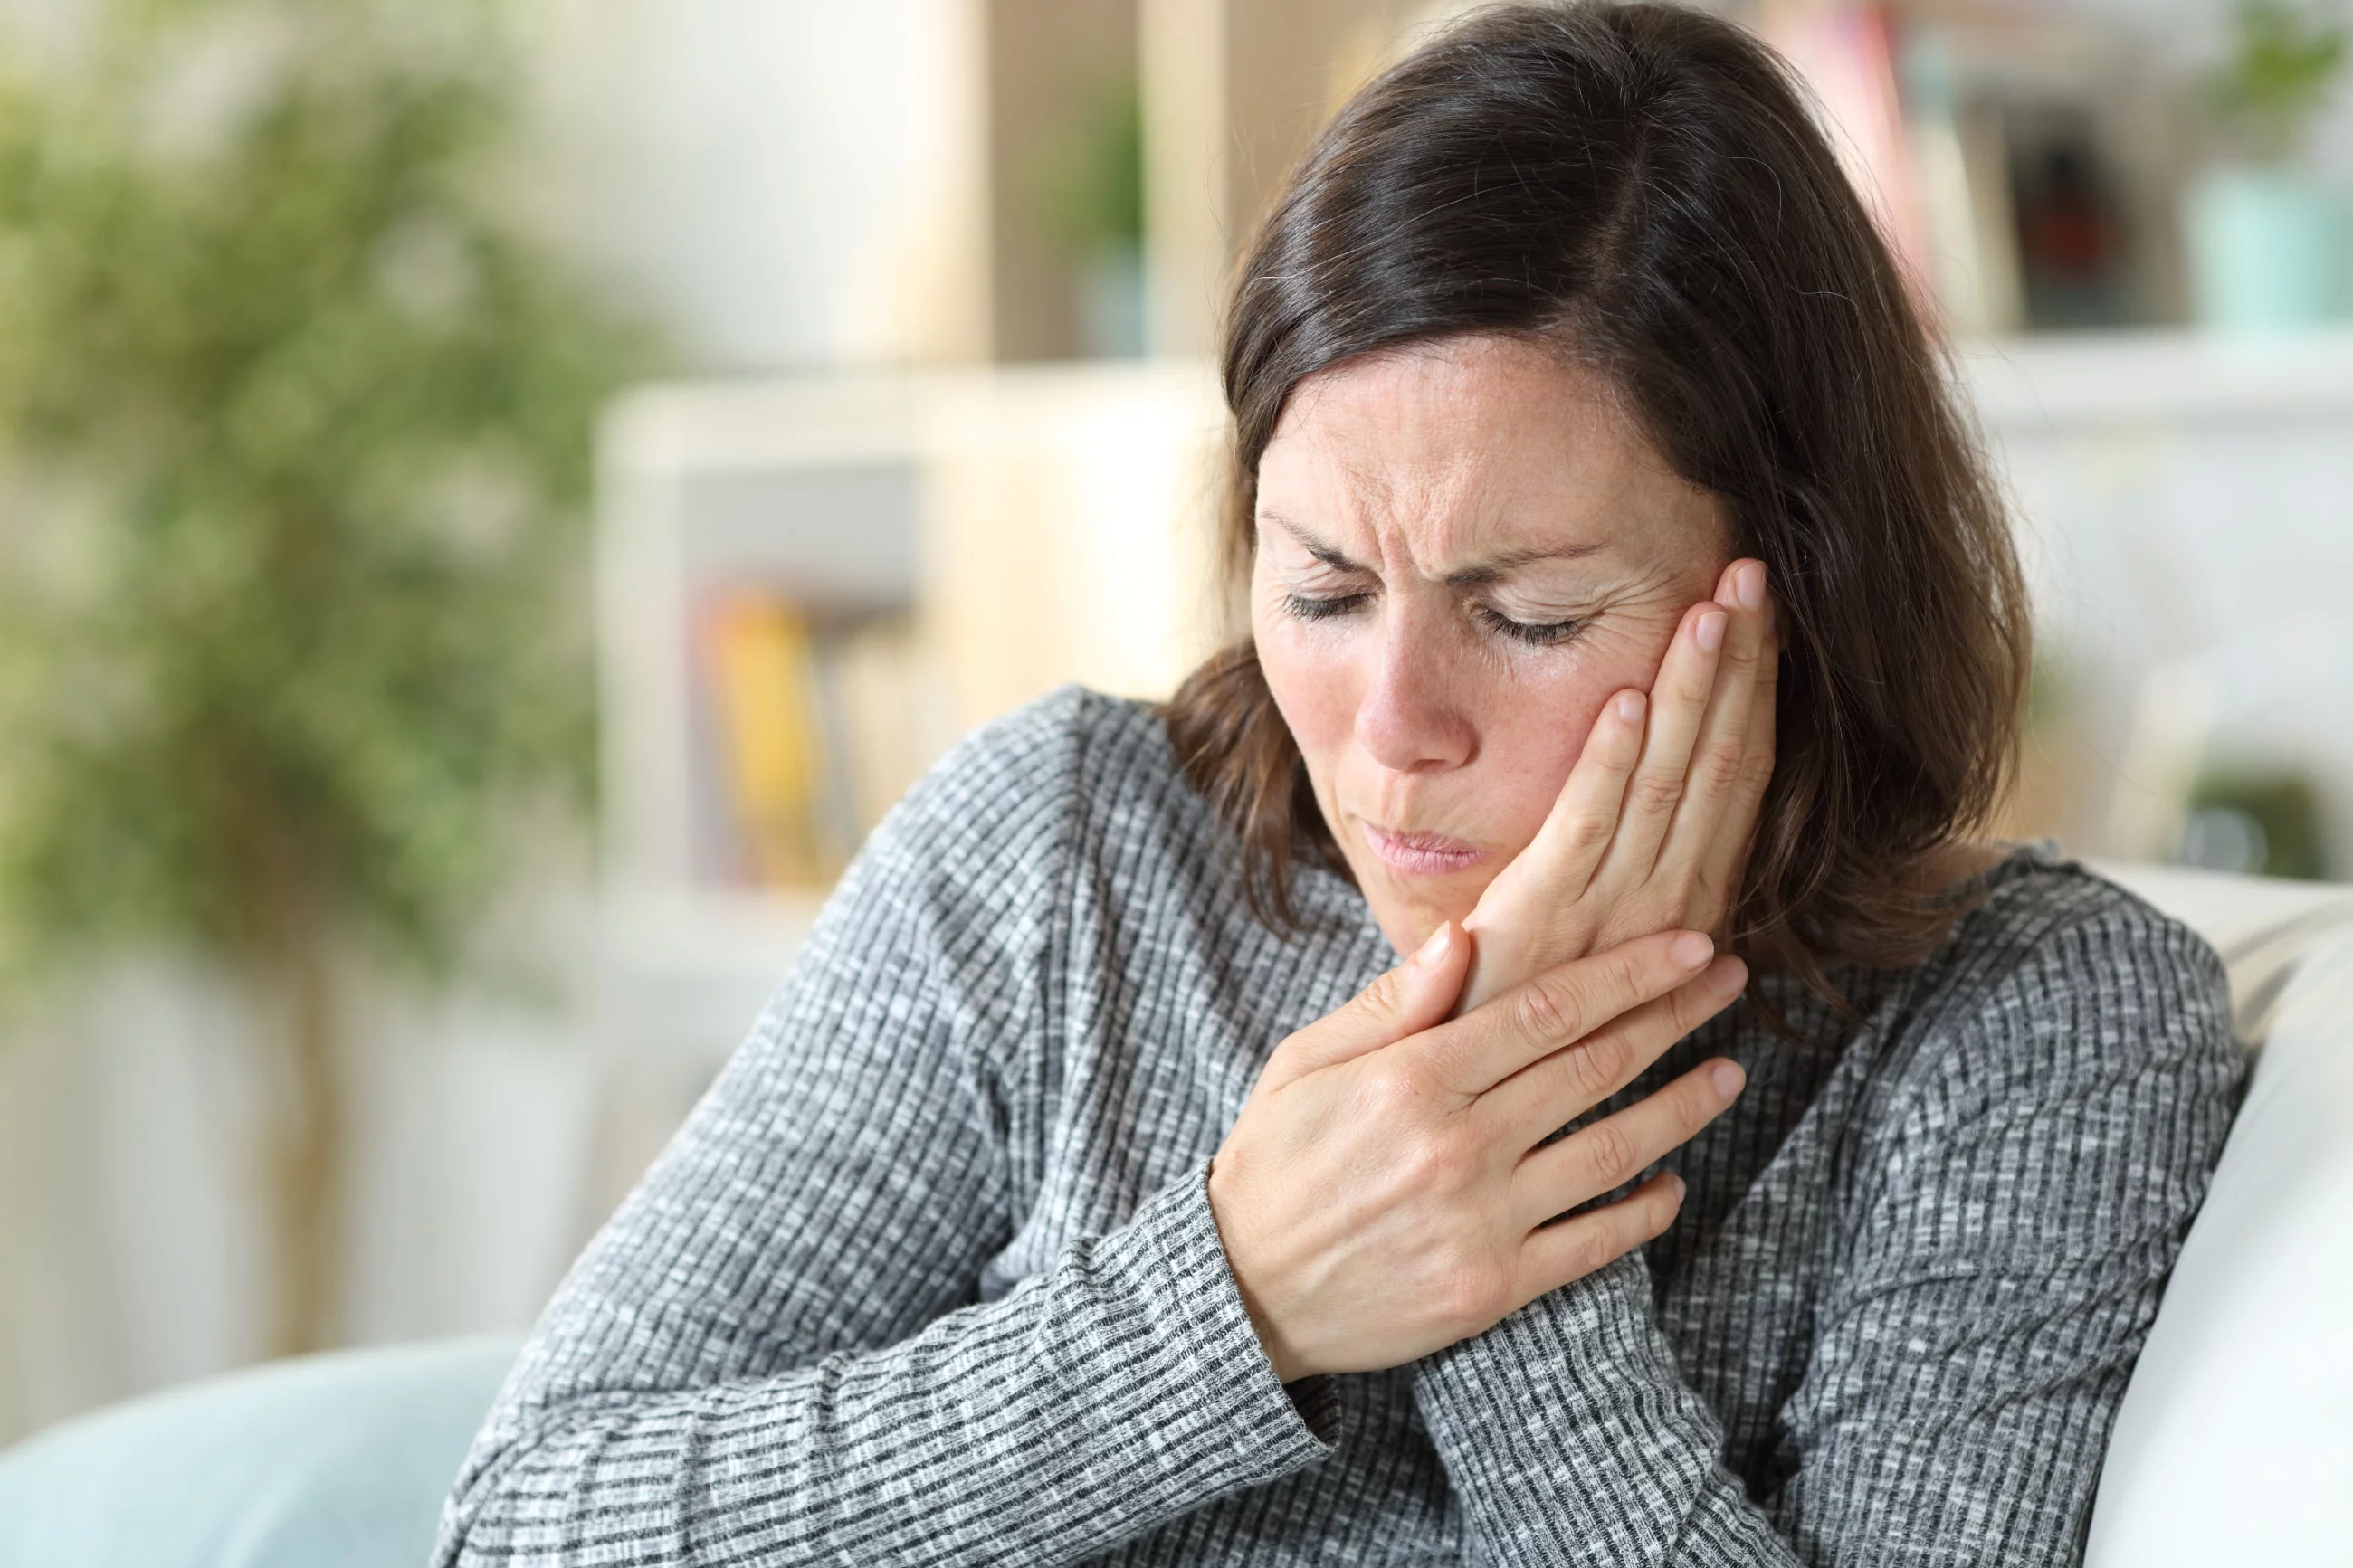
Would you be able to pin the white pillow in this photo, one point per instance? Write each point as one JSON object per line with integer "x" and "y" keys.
{"x": 2235, "y": 1441}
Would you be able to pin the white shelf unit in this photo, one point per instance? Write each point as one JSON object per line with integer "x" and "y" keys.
{"x": 810, "y": 493}
{"x": 1041, "y": 525}
{"x": 2185, "y": 504}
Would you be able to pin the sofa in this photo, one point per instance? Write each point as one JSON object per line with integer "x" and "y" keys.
{"x": 2234, "y": 1444}
{"x": 2235, "y": 1441}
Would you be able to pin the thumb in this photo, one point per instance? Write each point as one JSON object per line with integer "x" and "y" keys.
{"x": 1417, "y": 995}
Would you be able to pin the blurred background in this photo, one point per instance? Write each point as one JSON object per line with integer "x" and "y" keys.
{"x": 497, "y": 498}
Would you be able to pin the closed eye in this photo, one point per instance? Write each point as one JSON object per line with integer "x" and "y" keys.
{"x": 1537, "y": 634}
{"x": 1321, "y": 606}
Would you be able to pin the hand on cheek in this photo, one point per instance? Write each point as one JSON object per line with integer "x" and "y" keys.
{"x": 1651, "y": 829}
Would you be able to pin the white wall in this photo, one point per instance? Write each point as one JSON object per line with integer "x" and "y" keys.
{"x": 780, "y": 183}
{"x": 132, "y": 1254}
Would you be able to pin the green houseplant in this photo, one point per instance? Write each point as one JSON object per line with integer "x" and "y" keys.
{"x": 294, "y": 437}
{"x": 2270, "y": 242}
{"x": 2283, "y": 66}
{"x": 1089, "y": 195}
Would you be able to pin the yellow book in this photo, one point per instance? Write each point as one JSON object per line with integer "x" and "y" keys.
{"x": 764, "y": 698}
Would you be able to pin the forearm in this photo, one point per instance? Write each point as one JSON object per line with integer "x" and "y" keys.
{"x": 1119, "y": 1391}
{"x": 1568, "y": 1435}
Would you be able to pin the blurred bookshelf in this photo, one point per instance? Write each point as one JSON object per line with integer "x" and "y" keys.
{"x": 809, "y": 589}
{"x": 749, "y": 542}
{"x": 2027, "y": 164}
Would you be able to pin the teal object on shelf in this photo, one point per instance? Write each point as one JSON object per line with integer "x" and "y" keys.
{"x": 2269, "y": 249}
{"x": 328, "y": 1461}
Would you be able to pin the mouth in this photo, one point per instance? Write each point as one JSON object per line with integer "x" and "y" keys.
{"x": 1419, "y": 854}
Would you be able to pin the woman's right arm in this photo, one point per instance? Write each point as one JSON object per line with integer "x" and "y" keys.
{"x": 773, "y": 1352}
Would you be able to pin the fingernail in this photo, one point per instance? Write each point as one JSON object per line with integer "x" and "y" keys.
{"x": 1675, "y": 1187}
{"x": 1630, "y": 707}
{"x": 1710, "y": 632}
{"x": 1748, "y": 585}
{"x": 1434, "y": 948}
{"x": 1728, "y": 1079}
{"x": 1727, "y": 977}
{"x": 1691, "y": 950}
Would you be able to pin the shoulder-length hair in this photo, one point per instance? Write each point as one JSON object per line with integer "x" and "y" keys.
{"x": 1643, "y": 186}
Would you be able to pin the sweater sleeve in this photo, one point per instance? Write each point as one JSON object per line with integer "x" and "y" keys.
{"x": 775, "y": 1353}
{"x": 1568, "y": 1435}
{"x": 2009, "y": 1222}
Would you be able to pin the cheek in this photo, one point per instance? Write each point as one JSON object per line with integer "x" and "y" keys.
{"x": 1316, "y": 683}
{"x": 1534, "y": 733}
{"x": 1537, "y": 717}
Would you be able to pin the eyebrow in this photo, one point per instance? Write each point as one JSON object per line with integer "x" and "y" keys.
{"x": 1471, "y": 576}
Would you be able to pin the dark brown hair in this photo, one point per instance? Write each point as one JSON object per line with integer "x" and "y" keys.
{"x": 1642, "y": 185}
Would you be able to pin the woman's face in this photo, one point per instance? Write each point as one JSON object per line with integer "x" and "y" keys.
{"x": 1464, "y": 549}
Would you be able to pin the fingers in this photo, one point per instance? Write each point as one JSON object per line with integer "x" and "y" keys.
{"x": 1678, "y": 700}
{"x": 1558, "y": 1254}
{"x": 1559, "y": 1007}
{"x": 1720, "y": 867}
{"x": 1610, "y": 1152}
{"x": 1541, "y": 1099}
{"x": 1405, "y": 1001}
{"x": 1563, "y": 856}
{"x": 1578, "y": 832}
{"x": 1726, "y": 765}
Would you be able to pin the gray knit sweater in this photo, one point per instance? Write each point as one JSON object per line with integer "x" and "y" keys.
{"x": 930, "y": 1275}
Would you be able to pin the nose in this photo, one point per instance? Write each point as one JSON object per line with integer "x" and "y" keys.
{"x": 1410, "y": 719}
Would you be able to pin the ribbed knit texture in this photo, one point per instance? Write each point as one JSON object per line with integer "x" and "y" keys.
{"x": 930, "y": 1276}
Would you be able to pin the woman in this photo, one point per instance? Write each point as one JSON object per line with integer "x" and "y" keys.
{"x": 1100, "y": 1184}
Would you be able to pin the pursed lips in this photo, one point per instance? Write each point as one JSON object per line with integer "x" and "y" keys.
{"x": 1419, "y": 854}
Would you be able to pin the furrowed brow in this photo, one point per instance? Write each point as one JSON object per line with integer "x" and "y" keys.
{"x": 1495, "y": 566}
{"x": 1329, "y": 554}
{"x": 1472, "y": 576}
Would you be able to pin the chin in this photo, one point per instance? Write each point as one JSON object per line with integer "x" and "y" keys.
{"x": 1410, "y": 906}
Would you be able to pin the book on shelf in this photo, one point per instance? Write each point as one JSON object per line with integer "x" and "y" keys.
{"x": 2025, "y": 168}
{"x": 1848, "y": 56}
{"x": 819, "y": 727}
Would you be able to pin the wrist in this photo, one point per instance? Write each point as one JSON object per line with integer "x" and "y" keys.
{"x": 1289, "y": 1367}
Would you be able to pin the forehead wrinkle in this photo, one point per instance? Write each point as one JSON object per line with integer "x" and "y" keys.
{"x": 1505, "y": 561}
{"x": 1478, "y": 517}
{"x": 1428, "y": 469}
{"x": 1322, "y": 548}
{"x": 1453, "y": 518}
{"x": 1405, "y": 507}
